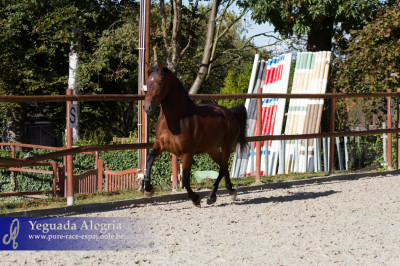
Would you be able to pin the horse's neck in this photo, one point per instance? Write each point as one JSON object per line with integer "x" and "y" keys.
{"x": 176, "y": 106}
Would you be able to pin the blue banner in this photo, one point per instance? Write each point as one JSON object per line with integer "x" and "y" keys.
{"x": 68, "y": 233}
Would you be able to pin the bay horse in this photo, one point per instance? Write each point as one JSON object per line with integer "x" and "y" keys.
{"x": 184, "y": 129}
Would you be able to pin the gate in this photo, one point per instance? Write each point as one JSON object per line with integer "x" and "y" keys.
{"x": 89, "y": 181}
{"x": 120, "y": 179}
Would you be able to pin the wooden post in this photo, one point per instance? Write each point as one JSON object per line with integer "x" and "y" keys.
{"x": 258, "y": 133}
{"x": 332, "y": 139}
{"x": 61, "y": 180}
{"x": 70, "y": 166}
{"x": 175, "y": 168}
{"x": 96, "y": 158}
{"x": 13, "y": 152}
{"x": 389, "y": 135}
{"x": 145, "y": 127}
{"x": 54, "y": 166}
{"x": 99, "y": 174}
{"x": 12, "y": 180}
{"x": 398, "y": 134}
{"x": 106, "y": 183}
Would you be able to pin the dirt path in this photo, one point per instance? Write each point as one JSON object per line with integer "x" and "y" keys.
{"x": 346, "y": 222}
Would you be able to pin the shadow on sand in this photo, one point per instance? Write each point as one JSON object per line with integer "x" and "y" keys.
{"x": 287, "y": 198}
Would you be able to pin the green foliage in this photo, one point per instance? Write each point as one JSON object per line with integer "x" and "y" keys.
{"x": 319, "y": 20}
{"x": 373, "y": 56}
{"x": 112, "y": 68}
{"x": 236, "y": 83}
{"x": 35, "y": 40}
{"x": 370, "y": 64}
{"x": 365, "y": 151}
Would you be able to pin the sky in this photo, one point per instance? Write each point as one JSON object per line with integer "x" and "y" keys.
{"x": 251, "y": 26}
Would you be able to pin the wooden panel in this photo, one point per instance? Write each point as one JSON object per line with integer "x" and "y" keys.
{"x": 120, "y": 179}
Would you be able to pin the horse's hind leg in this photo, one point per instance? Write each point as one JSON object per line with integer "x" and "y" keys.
{"x": 221, "y": 158}
{"x": 212, "y": 197}
{"x": 187, "y": 160}
{"x": 229, "y": 186}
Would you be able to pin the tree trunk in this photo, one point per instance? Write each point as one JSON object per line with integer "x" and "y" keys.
{"x": 320, "y": 39}
{"x": 13, "y": 124}
{"x": 173, "y": 60}
{"x": 202, "y": 73}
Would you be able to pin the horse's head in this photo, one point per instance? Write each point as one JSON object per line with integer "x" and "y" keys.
{"x": 157, "y": 88}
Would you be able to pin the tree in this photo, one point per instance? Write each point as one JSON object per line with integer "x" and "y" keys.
{"x": 371, "y": 63}
{"x": 35, "y": 40}
{"x": 185, "y": 36}
{"x": 112, "y": 68}
{"x": 320, "y": 21}
{"x": 236, "y": 83}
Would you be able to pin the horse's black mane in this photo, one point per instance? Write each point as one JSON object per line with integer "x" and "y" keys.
{"x": 167, "y": 73}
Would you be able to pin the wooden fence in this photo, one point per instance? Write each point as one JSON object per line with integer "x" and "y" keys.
{"x": 84, "y": 183}
{"x": 52, "y": 172}
{"x": 89, "y": 181}
{"x": 120, "y": 179}
{"x": 7, "y": 162}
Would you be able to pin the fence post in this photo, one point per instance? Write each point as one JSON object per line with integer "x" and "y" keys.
{"x": 99, "y": 174}
{"x": 332, "y": 139}
{"x": 61, "y": 180}
{"x": 389, "y": 135}
{"x": 258, "y": 133}
{"x": 13, "y": 151}
{"x": 398, "y": 134}
{"x": 174, "y": 171}
{"x": 54, "y": 166}
{"x": 106, "y": 184}
{"x": 96, "y": 158}
{"x": 70, "y": 165}
{"x": 12, "y": 180}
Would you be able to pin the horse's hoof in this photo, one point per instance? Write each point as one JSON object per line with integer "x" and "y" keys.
{"x": 150, "y": 193}
{"x": 197, "y": 203}
{"x": 211, "y": 200}
{"x": 233, "y": 194}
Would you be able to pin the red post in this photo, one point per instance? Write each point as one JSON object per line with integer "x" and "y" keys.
{"x": 70, "y": 165}
{"x": 96, "y": 160}
{"x": 258, "y": 133}
{"x": 332, "y": 139}
{"x": 61, "y": 180}
{"x": 174, "y": 171}
{"x": 99, "y": 174}
{"x": 54, "y": 165}
{"x": 398, "y": 126}
{"x": 106, "y": 184}
{"x": 389, "y": 135}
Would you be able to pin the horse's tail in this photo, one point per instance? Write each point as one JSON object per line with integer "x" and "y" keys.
{"x": 241, "y": 115}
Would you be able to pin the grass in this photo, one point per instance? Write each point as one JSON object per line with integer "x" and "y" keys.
{"x": 15, "y": 204}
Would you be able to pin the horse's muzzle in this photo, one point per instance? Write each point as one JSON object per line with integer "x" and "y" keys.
{"x": 148, "y": 108}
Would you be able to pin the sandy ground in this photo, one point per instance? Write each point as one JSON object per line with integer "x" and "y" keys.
{"x": 346, "y": 222}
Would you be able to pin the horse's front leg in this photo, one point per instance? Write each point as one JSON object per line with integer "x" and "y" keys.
{"x": 187, "y": 160}
{"x": 147, "y": 187}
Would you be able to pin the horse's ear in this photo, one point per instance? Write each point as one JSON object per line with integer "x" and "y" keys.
{"x": 160, "y": 67}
